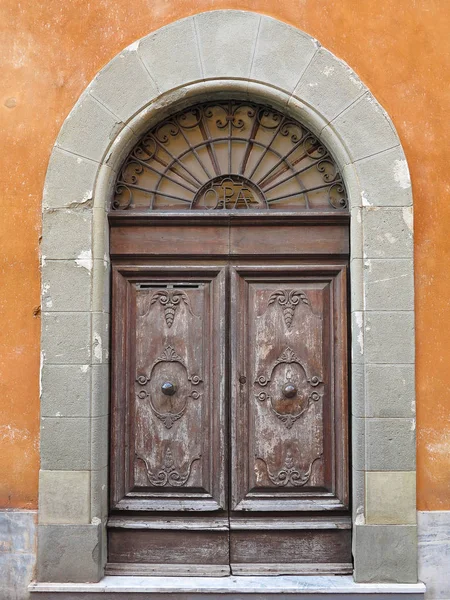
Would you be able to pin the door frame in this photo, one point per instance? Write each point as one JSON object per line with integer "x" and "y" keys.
{"x": 100, "y": 131}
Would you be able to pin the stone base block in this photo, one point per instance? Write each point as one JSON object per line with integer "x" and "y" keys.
{"x": 385, "y": 553}
{"x": 69, "y": 553}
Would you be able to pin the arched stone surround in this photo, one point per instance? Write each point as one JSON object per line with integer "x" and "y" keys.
{"x": 185, "y": 62}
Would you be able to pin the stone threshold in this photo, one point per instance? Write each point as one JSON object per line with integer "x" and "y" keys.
{"x": 232, "y": 587}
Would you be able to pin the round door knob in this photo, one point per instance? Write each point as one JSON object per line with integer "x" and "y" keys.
{"x": 289, "y": 390}
{"x": 168, "y": 388}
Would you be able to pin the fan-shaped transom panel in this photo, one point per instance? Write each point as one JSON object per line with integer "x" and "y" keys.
{"x": 229, "y": 155}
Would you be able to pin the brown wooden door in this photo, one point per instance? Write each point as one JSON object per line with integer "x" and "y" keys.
{"x": 229, "y": 406}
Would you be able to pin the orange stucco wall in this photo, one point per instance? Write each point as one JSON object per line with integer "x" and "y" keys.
{"x": 52, "y": 49}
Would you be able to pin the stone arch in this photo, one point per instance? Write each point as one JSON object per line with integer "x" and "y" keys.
{"x": 173, "y": 67}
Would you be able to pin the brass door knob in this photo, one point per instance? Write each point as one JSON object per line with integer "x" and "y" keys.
{"x": 168, "y": 388}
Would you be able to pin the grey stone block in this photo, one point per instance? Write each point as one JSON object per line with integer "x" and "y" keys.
{"x": 66, "y": 338}
{"x": 358, "y": 494}
{"x": 390, "y": 391}
{"x": 69, "y": 553}
{"x": 65, "y": 443}
{"x": 66, "y": 286}
{"x": 359, "y": 443}
{"x": 364, "y": 128}
{"x": 69, "y": 181}
{"x": 100, "y": 338}
{"x": 99, "y": 494}
{"x": 328, "y": 84}
{"x": 434, "y": 552}
{"x": 136, "y": 89}
{"x": 66, "y": 391}
{"x": 386, "y": 179}
{"x": 385, "y": 553}
{"x": 388, "y": 232}
{"x": 282, "y": 54}
{"x": 89, "y": 129}
{"x": 356, "y": 233}
{"x": 226, "y": 42}
{"x": 390, "y": 445}
{"x": 391, "y": 498}
{"x": 100, "y": 390}
{"x": 100, "y": 234}
{"x": 17, "y": 531}
{"x": 357, "y": 336}
{"x": 16, "y": 573}
{"x": 389, "y": 337}
{"x": 357, "y": 299}
{"x": 171, "y": 55}
{"x": 99, "y": 442}
{"x": 64, "y": 497}
{"x": 389, "y": 284}
{"x": 101, "y": 301}
{"x": 358, "y": 401}
{"x": 67, "y": 234}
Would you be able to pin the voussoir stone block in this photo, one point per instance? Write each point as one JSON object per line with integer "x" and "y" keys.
{"x": 226, "y": 42}
{"x": 70, "y": 180}
{"x": 390, "y": 391}
{"x": 364, "y": 129}
{"x": 66, "y": 338}
{"x": 65, "y": 443}
{"x": 57, "y": 295}
{"x": 388, "y": 232}
{"x": 69, "y": 553}
{"x": 385, "y": 553}
{"x": 136, "y": 88}
{"x": 328, "y": 84}
{"x": 390, "y": 444}
{"x": 391, "y": 498}
{"x": 67, "y": 234}
{"x": 66, "y": 391}
{"x": 278, "y": 48}
{"x": 89, "y": 129}
{"x": 386, "y": 179}
{"x": 171, "y": 55}
{"x": 389, "y": 284}
{"x": 64, "y": 497}
{"x": 389, "y": 337}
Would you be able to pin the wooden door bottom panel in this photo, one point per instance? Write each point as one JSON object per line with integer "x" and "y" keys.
{"x": 155, "y": 550}
{"x": 290, "y": 549}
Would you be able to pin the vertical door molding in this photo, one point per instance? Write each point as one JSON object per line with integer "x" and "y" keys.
{"x": 278, "y": 64}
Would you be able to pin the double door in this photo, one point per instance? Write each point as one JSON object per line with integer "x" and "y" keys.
{"x": 229, "y": 409}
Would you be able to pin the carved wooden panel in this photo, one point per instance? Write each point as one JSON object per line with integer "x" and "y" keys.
{"x": 168, "y": 389}
{"x": 289, "y": 424}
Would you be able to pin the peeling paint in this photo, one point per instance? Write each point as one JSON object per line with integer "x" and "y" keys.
{"x": 401, "y": 174}
{"x": 364, "y": 199}
{"x": 97, "y": 346}
{"x": 85, "y": 260}
{"x": 407, "y": 215}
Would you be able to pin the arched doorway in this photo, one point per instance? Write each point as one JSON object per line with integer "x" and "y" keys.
{"x": 106, "y": 123}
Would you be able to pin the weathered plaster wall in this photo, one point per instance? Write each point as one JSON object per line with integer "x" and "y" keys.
{"x": 51, "y": 50}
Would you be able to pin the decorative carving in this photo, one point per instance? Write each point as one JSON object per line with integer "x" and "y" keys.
{"x": 289, "y": 474}
{"x": 288, "y": 300}
{"x": 288, "y": 419}
{"x": 282, "y": 163}
{"x": 170, "y": 300}
{"x": 288, "y": 356}
{"x": 168, "y": 474}
{"x": 170, "y": 417}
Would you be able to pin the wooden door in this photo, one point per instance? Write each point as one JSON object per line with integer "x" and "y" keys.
{"x": 229, "y": 445}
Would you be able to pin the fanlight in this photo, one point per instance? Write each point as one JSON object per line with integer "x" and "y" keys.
{"x": 230, "y": 155}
